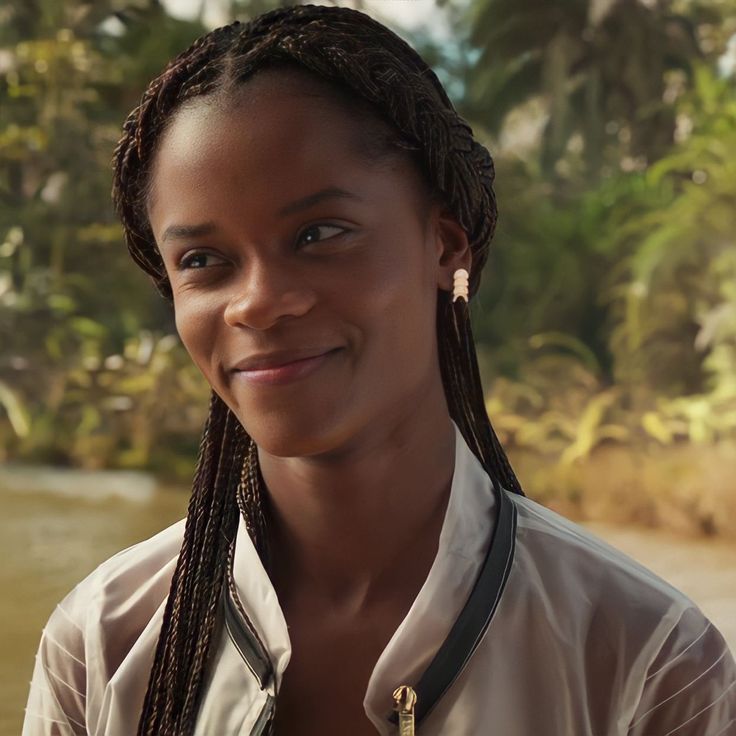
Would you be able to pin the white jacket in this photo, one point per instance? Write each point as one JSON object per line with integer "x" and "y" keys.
{"x": 527, "y": 625}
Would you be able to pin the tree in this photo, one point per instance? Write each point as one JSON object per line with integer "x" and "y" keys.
{"x": 69, "y": 294}
{"x": 600, "y": 68}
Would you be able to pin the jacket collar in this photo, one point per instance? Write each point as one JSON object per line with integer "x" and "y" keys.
{"x": 450, "y": 613}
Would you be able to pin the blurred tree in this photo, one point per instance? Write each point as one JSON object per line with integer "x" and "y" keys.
{"x": 575, "y": 99}
{"x": 69, "y": 293}
{"x": 244, "y": 9}
{"x": 612, "y": 264}
{"x": 675, "y": 288}
{"x": 598, "y": 65}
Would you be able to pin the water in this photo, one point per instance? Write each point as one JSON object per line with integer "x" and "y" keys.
{"x": 50, "y": 540}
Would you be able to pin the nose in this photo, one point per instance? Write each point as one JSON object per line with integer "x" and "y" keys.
{"x": 269, "y": 291}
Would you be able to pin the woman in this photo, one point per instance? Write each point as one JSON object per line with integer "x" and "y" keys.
{"x": 303, "y": 191}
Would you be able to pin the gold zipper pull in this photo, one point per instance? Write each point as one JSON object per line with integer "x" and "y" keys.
{"x": 404, "y": 701}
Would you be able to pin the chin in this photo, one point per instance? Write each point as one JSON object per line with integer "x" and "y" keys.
{"x": 285, "y": 444}
{"x": 292, "y": 434}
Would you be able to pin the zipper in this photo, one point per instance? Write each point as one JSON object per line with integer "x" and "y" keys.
{"x": 404, "y": 701}
{"x": 246, "y": 644}
{"x": 264, "y": 723}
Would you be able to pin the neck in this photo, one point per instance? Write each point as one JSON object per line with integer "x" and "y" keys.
{"x": 352, "y": 526}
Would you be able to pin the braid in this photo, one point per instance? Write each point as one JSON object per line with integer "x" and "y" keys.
{"x": 404, "y": 94}
{"x": 251, "y": 503}
{"x": 189, "y": 617}
{"x": 459, "y": 366}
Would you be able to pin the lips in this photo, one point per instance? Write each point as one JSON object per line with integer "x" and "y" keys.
{"x": 278, "y": 358}
{"x": 282, "y": 367}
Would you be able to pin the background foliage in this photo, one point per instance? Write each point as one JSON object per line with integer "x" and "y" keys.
{"x": 607, "y": 315}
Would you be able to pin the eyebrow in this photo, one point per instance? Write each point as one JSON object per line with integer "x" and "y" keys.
{"x": 312, "y": 199}
{"x": 180, "y": 232}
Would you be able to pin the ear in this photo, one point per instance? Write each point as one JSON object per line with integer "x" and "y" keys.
{"x": 451, "y": 245}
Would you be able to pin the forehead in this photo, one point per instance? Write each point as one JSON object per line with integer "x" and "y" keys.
{"x": 279, "y": 131}
{"x": 285, "y": 110}
{"x": 273, "y": 129}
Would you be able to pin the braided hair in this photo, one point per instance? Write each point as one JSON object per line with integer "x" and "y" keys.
{"x": 367, "y": 66}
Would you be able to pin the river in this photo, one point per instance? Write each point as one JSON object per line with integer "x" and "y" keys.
{"x": 50, "y": 538}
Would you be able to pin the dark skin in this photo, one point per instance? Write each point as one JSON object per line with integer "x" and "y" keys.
{"x": 358, "y": 456}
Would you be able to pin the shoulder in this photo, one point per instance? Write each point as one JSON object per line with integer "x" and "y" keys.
{"x": 689, "y": 687}
{"x": 597, "y": 586}
{"x": 136, "y": 577}
{"x": 680, "y": 676}
{"x": 94, "y": 626}
{"x": 570, "y": 555}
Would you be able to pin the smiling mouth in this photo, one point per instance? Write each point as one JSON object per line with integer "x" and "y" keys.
{"x": 285, "y": 372}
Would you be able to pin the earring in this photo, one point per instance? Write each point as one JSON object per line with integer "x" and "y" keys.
{"x": 460, "y": 285}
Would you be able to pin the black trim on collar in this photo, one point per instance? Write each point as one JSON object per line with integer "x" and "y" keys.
{"x": 264, "y": 722}
{"x": 247, "y": 645}
{"x": 473, "y": 621}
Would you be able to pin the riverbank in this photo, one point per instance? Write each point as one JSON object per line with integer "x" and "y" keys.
{"x": 685, "y": 489}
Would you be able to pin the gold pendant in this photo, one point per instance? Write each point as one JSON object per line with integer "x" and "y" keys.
{"x": 404, "y": 701}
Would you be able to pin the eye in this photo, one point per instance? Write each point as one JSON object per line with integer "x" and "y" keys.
{"x": 315, "y": 229}
{"x": 197, "y": 260}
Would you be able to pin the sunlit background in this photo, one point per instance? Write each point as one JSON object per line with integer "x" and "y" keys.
{"x": 606, "y": 322}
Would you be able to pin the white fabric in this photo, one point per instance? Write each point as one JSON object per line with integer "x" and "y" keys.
{"x": 584, "y": 640}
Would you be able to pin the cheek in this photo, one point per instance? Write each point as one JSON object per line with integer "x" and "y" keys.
{"x": 402, "y": 317}
{"x": 196, "y": 325}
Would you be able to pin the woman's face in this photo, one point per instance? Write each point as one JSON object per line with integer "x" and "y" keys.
{"x": 279, "y": 238}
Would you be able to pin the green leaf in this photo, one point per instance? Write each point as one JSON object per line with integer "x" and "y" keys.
{"x": 17, "y": 413}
